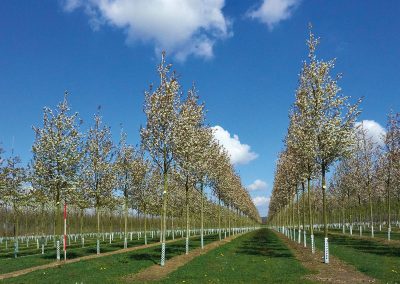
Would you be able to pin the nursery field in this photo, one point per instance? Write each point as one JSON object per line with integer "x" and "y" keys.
{"x": 374, "y": 257}
{"x": 258, "y": 256}
{"x": 86, "y": 198}
{"x": 33, "y": 256}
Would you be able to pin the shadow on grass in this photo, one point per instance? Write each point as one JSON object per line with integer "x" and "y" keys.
{"x": 155, "y": 254}
{"x": 70, "y": 255}
{"x": 146, "y": 256}
{"x": 264, "y": 243}
{"x": 366, "y": 246}
{"x": 22, "y": 253}
{"x": 171, "y": 250}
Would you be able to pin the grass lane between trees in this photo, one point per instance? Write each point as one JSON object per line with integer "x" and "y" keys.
{"x": 369, "y": 256}
{"x": 35, "y": 258}
{"x": 107, "y": 269}
{"x": 257, "y": 257}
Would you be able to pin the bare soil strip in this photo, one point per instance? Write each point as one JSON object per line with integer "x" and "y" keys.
{"x": 157, "y": 272}
{"x": 60, "y": 263}
{"x": 334, "y": 272}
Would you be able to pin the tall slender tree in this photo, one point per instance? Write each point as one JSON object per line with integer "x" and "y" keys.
{"x": 161, "y": 109}
{"x": 14, "y": 193}
{"x": 124, "y": 163}
{"x": 330, "y": 115}
{"x": 390, "y": 160}
{"x": 366, "y": 154}
{"x": 56, "y": 156}
{"x": 188, "y": 147}
{"x": 98, "y": 171}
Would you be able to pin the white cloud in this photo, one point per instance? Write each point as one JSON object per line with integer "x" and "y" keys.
{"x": 181, "y": 27}
{"x": 271, "y": 12}
{"x": 239, "y": 153}
{"x": 71, "y": 5}
{"x": 261, "y": 201}
{"x": 257, "y": 185}
{"x": 374, "y": 130}
{"x": 262, "y": 204}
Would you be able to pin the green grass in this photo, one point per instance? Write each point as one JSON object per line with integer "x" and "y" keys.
{"x": 33, "y": 250}
{"x": 366, "y": 232}
{"x": 34, "y": 257}
{"x": 107, "y": 269}
{"x": 257, "y": 257}
{"x": 369, "y": 256}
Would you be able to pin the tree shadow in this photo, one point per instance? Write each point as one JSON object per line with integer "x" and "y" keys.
{"x": 154, "y": 254}
{"x": 264, "y": 243}
{"x": 366, "y": 246}
{"x": 145, "y": 256}
{"x": 70, "y": 255}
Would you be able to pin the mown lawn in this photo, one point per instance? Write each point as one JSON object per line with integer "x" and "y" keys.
{"x": 369, "y": 256}
{"x": 257, "y": 257}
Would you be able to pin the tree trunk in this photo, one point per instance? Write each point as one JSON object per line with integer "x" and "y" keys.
{"x": 145, "y": 226}
{"x": 293, "y": 221}
{"x": 325, "y": 215}
{"x": 229, "y": 220}
{"x": 187, "y": 214}
{"x": 219, "y": 217}
{"x": 298, "y": 217}
{"x": 202, "y": 218}
{"x": 42, "y": 221}
{"x": 98, "y": 222}
{"x": 370, "y": 209}
{"x": 388, "y": 201}
{"x": 172, "y": 227}
{"x": 309, "y": 207}
{"x": 110, "y": 228}
{"x": 58, "y": 214}
{"x": 164, "y": 217}
{"x": 16, "y": 231}
{"x": 126, "y": 220}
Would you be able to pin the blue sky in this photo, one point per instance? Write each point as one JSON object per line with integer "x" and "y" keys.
{"x": 244, "y": 57}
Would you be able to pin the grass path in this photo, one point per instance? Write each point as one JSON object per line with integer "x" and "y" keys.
{"x": 261, "y": 256}
{"x": 257, "y": 257}
{"x": 8, "y": 265}
{"x": 156, "y": 272}
{"x": 107, "y": 268}
{"x": 336, "y": 271}
{"x": 373, "y": 257}
{"x": 69, "y": 261}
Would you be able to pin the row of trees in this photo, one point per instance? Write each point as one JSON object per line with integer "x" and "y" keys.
{"x": 323, "y": 135}
{"x": 365, "y": 182}
{"x": 177, "y": 162}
